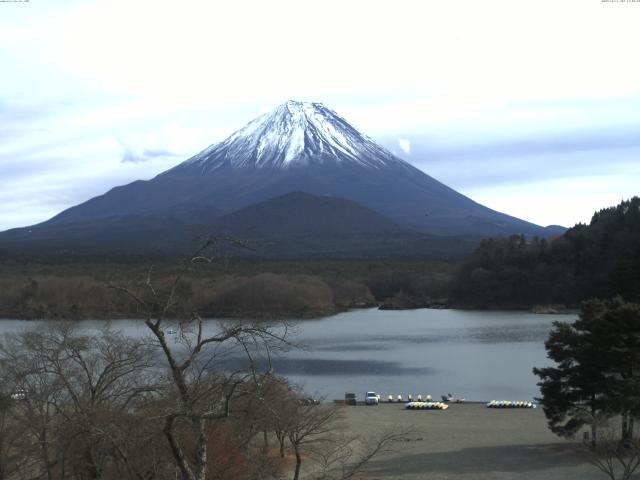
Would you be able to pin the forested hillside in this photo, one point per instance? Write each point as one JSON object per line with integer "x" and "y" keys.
{"x": 601, "y": 259}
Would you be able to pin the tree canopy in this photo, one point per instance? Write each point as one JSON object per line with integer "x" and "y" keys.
{"x": 601, "y": 259}
{"x": 597, "y": 372}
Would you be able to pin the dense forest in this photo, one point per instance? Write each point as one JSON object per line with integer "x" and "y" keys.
{"x": 601, "y": 259}
{"x": 237, "y": 288}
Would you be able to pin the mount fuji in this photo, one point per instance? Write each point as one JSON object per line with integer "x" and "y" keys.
{"x": 297, "y": 163}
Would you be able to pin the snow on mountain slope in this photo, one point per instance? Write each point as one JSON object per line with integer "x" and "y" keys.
{"x": 295, "y": 133}
{"x": 297, "y": 147}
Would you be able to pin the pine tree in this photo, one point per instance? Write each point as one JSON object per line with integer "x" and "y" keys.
{"x": 597, "y": 372}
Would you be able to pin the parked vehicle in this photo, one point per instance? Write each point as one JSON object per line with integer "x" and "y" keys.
{"x": 350, "y": 399}
{"x": 371, "y": 398}
{"x": 19, "y": 395}
{"x": 451, "y": 399}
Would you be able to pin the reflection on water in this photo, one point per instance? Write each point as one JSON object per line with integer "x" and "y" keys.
{"x": 304, "y": 366}
{"x": 349, "y": 346}
{"x": 477, "y": 355}
{"x": 301, "y": 366}
{"x": 486, "y": 334}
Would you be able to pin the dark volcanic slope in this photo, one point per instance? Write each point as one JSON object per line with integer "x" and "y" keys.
{"x": 298, "y": 147}
{"x": 295, "y": 225}
{"x": 402, "y": 193}
{"x": 299, "y": 224}
{"x": 122, "y": 233}
{"x": 299, "y": 214}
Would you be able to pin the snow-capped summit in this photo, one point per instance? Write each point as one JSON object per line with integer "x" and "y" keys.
{"x": 295, "y": 133}
{"x": 293, "y": 175}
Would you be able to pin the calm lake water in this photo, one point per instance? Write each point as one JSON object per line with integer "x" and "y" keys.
{"x": 477, "y": 355}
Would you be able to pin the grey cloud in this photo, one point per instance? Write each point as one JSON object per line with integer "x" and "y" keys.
{"x": 540, "y": 144}
{"x": 463, "y": 164}
{"x": 146, "y": 155}
{"x": 20, "y": 118}
{"x": 487, "y": 170}
{"x": 20, "y": 112}
{"x": 576, "y": 142}
{"x": 12, "y": 132}
{"x": 34, "y": 158}
{"x": 14, "y": 169}
{"x": 17, "y": 112}
{"x": 580, "y": 103}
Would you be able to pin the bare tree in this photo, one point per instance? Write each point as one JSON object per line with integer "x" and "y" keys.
{"x": 315, "y": 431}
{"x": 78, "y": 394}
{"x": 14, "y": 451}
{"x": 278, "y": 399}
{"x": 617, "y": 459}
{"x": 34, "y": 392}
{"x": 203, "y": 392}
{"x": 347, "y": 456}
{"x": 308, "y": 428}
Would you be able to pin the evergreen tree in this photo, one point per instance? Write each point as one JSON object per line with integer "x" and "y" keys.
{"x": 616, "y": 327}
{"x": 597, "y": 372}
{"x": 601, "y": 259}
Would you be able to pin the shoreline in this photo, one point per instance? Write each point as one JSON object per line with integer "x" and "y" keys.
{"x": 293, "y": 316}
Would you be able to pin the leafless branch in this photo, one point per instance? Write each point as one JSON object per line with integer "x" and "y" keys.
{"x": 615, "y": 458}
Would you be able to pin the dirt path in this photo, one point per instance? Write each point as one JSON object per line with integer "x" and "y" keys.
{"x": 470, "y": 441}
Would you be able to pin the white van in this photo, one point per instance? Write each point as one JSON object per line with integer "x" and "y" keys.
{"x": 371, "y": 398}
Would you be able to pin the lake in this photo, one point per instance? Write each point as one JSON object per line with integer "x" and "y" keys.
{"x": 479, "y": 355}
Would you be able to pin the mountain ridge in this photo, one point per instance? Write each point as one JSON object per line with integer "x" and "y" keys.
{"x": 297, "y": 147}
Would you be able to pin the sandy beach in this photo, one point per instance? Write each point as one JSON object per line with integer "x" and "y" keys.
{"x": 470, "y": 441}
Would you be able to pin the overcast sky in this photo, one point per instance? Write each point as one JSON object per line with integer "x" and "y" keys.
{"x": 529, "y": 107}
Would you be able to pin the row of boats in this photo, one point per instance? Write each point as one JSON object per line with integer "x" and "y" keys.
{"x": 426, "y": 406}
{"x": 400, "y": 399}
{"x": 427, "y": 398}
{"x": 491, "y": 404}
{"x": 510, "y": 404}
